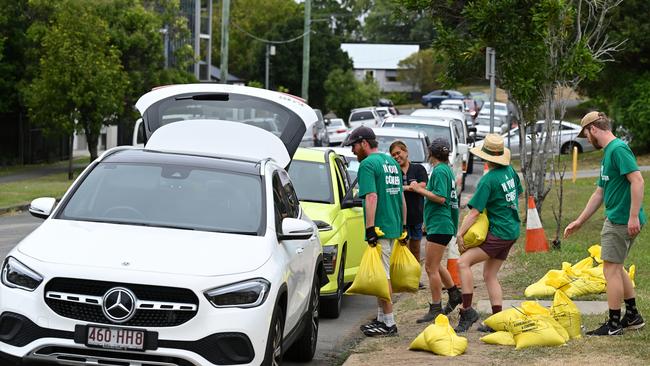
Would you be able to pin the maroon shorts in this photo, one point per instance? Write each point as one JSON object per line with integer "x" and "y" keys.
{"x": 496, "y": 248}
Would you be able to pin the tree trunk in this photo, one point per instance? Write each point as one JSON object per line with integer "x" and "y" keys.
{"x": 70, "y": 172}
{"x": 93, "y": 140}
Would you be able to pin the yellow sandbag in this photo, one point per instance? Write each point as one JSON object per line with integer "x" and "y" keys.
{"x": 536, "y": 311}
{"x": 541, "y": 288}
{"x": 500, "y": 320}
{"x": 405, "y": 270}
{"x": 477, "y": 233}
{"x": 371, "y": 277}
{"x": 567, "y": 314}
{"x": 585, "y": 263}
{"x": 501, "y": 338}
{"x": 594, "y": 252}
{"x": 530, "y": 332}
{"x": 440, "y": 339}
{"x": 585, "y": 282}
{"x": 559, "y": 279}
{"x": 631, "y": 274}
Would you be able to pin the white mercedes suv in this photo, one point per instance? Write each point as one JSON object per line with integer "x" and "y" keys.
{"x": 190, "y": 251}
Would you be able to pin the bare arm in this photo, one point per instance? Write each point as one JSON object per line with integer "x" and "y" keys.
{"x": 371, "y": 208}
{"x": 409, "y": 188}
{"x": 427, "y": 194}
{"x": 593, "y": 204}
{"x": 471, "y": 217}
{"x": 636, "y": 196}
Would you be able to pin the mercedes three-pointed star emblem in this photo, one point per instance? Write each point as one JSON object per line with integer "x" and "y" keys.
{"x": 119, "y": 304}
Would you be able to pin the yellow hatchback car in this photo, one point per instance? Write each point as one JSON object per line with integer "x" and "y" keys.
{"x": 323, "y": 185}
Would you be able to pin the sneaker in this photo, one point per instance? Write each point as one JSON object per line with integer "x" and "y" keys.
{"x": 421, "y": 286}
{"x": 455, "y": 299}
{"x": 467, "y": 318}
{"x": 434, "y": 311}
{"x": 371, "y": 324}
{"x": 381, "y": 330}
{"x": 606, "y": 330}
{"x": 485, "y": 329}
{"x": 632, "y": 321}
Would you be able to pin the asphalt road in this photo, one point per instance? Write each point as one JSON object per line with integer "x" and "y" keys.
{"x": 335, "y": 337}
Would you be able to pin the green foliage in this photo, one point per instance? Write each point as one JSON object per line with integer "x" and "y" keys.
{"x": 386, "y": 22}
{"x": 421, "y": 70}
{"x": 81, "y": 82}
{"x": 256, "y": 84}
{"x": 344, "y": 92}
{"x": 632, "y": 110}
{"x": 13, "y": 25}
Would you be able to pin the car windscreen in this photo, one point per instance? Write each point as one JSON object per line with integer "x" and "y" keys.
{"x": 432, "y": 131}
{"x": 417, "y": 154}
{"x": 311, "y": 181}
{"x": 361, "y": 116}
{"x": 336, "y": 122}
{"x": 173, "y": 196}
{"x": 231, "y": 107}
{"x": 482, "y": 121}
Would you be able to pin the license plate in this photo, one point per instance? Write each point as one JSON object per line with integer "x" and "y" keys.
{"x": 115, "y": 338}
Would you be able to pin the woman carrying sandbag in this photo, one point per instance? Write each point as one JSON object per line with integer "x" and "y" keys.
{"x": 441, "y": 220}
{"x": 498, "y": 193}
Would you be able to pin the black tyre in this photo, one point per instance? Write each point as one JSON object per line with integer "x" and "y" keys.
{"x": 429, "y": 104}
{"x": 304, "y": 348}
{"x": 330, "y": 307}
{"x": 274, "y": 351}
{"x": 568, "y": 148}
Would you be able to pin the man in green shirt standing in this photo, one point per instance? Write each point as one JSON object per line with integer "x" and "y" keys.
{"x": 620, "y": 186}
{"x": 384, "y": 207}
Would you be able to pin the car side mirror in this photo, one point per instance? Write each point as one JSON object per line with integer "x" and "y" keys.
{"x": 42, "y": 207}
{"x": 462, "y": 149}
{"x": 351, "y": 202}
{"x": 295, "y": 229}
{"x": 471, "y": 129}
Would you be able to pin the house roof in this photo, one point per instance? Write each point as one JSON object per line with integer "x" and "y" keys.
{"x": 215, "y": 74}
{"x": 378, "y": 56}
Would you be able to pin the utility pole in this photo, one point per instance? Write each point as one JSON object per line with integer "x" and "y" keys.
{"x": 490, "y": 73}
{"x": 225, "y": 25}
{"x": 270, "y": 51}
{"x": 305, "y": 51}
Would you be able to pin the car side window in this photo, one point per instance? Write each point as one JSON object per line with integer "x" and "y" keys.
{"x": 280, "y": 202}
{"x": 290, "y": 196}
{"x": 342, "y": 177}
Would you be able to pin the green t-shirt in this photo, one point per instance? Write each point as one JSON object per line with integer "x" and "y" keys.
{"x": 498, "y": 191}
{"x": 618, "y": 161}
{"x": 380, "y": 173}
{"x": 441, "y": 218}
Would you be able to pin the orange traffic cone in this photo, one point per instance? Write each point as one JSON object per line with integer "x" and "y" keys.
{"x": 535, "y": 236}
{"x": 485, "y": 168}
{"x": 452, "y": 262}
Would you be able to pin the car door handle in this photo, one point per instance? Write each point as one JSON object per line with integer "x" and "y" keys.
{"x": 300, "y": 250}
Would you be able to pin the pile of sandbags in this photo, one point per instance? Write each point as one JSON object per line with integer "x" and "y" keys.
{"x": 440, "y": 338}
{"x": 583, "y": 278}
{"x": 532, "y": 325}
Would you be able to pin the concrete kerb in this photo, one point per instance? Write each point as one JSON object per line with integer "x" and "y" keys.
{"x": 585, "y": 307}
{"x": 15, "y": 208}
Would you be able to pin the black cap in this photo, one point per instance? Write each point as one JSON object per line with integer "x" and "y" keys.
{"x": 439, "y": 146}
{"x": 358, "y": 134}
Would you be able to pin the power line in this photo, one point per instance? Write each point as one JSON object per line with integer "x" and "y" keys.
{"x": 267, "y": 40}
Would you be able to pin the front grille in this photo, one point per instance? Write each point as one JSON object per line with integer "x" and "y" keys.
{"x": 76, "y": 299}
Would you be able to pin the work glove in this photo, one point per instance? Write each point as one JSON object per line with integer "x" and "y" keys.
{"x": 403, "y": 239}
{"x": 372, "y": 235}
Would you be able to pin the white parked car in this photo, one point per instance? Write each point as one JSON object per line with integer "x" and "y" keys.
{"x": 501, "y": 112}
{"x": 568, "y": 138}
{"x": 482, "y": 125}
{"x": 191, "y": 251}
{"x": 416, "y": 141}
{"x": 452, "y": 105}
{"x": 367, "y": 116}
{"x": 337, "y": 130}
{"x": 434, "y": 128}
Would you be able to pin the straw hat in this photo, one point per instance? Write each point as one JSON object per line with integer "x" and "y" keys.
{"x": 493, "y": 150}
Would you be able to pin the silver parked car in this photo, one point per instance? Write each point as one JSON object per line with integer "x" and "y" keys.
{"x": 337, "y": 130}
{"x": 568, "y": 138}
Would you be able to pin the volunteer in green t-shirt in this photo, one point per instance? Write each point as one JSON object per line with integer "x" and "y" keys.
{"x": 441, "y": 221}
{"x": 497, "y": 192}
{"x": 620, "y": 187}
{"x": 384, "y": 207}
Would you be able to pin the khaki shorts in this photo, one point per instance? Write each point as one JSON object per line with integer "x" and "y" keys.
{"x": 386, "y": 250}
{"x": 615, "y": 242}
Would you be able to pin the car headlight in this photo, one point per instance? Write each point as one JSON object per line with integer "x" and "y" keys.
{"x": 18, "y": 275}
{"x": 247, "y": 294}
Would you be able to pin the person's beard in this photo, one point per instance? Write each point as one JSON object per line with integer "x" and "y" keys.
{"x": 595, "y": 144}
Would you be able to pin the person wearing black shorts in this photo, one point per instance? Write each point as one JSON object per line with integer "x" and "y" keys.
{"x": 441, "y": 219}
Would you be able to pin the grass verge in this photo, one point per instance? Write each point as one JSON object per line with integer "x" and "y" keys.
{"x": 528, "y": 268}
{"x": 24, "y": 191}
